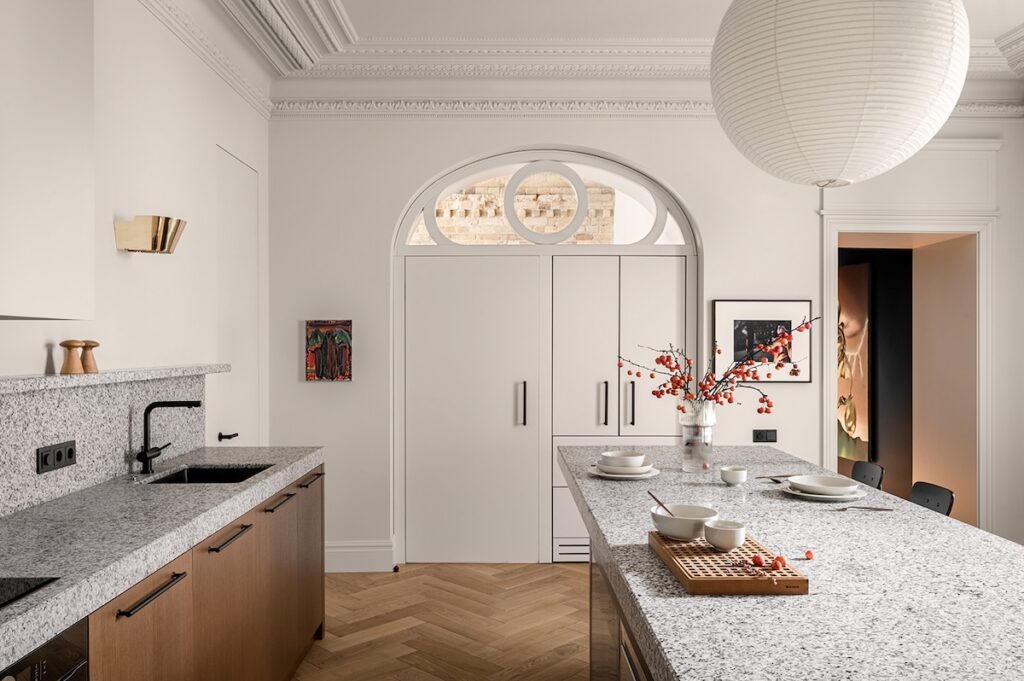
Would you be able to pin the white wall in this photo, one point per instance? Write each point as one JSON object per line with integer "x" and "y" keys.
{"x": 338, "y": 190}
{"x": 945, "y": 422}
{"x": 160, "y": 113}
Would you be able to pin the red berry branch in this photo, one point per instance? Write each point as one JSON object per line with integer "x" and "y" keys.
{"x": 679, "y": 379}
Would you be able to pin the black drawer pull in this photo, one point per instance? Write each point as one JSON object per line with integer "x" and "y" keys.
{"x": 307, "y": 485}
{"x": 175, "y": 578}
{"x": 288, "y": 497}
{"x": 606, "y": 403}
{"x": 226, "y": 436}
{"x": 230, "y": 540}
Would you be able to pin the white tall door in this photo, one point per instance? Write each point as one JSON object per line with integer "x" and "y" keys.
{"x": 232, "y": 399}
{"x": 472, "y": 450}
{"x": 652, "y": 298}
{"x": 585, "y": 345}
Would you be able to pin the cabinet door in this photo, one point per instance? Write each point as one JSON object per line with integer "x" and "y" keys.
{"x": 146, "y": 632}
{"x": 652, "y": 313}
{"x": 278, "y": 554}
{"x": 472, "y": 383}
{"x": 311, "y": 556}
{"x": 225, "y": 596}
{"x": 585, "y": 345}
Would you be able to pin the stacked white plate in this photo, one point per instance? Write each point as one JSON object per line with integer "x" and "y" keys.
{"x": 823, "y": 488}
{"x": 624, "y": 465}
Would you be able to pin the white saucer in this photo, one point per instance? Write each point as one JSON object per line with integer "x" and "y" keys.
{"x": 859, "y": 494}
{"x": 631, "y": 471}
{"x": 612, "y": 476}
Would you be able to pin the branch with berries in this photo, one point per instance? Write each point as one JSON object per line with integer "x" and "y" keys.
{"x": 678, "y": 379}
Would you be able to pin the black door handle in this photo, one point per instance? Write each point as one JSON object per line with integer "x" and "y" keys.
{"x": 606, "y": 403}
{"x": 524, "y": 403}
{"x": 632, "y": 403}
{"x": 175, "y": 578}
{"x": 230, "y": 540}
{"x": 309, "y": 483}
{"x": 230, "y": 436}
{"x": 288, "y": 497}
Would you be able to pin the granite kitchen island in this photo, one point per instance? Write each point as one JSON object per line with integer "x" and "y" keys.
{"x": 908, "y": 594}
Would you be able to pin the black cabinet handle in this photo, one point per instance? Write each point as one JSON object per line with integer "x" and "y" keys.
{"x": 230, "y": 436}
{"x": 287, "y": 497}
{"x": 524, "y": 403}
{"x": 606, "y": 403}
{"x": 307, "y": 485}
{"x": 175, "y": 578}
{"x": 230, "y": 540}
{"x": 632, "y": 403}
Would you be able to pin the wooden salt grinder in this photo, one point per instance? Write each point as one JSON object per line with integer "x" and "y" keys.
{"x": 88, "y": 359}
{"x": 72, "y": 360}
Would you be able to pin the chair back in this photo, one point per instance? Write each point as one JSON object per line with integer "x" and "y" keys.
{"x": 931, "y": 496}
{"x": 868, "y": 473}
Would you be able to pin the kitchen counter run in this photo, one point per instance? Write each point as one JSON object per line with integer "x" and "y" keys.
{"x": 102, "y": 540}
{"x": 909, "y": 594}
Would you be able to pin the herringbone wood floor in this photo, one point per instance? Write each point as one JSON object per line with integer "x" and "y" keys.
{"x": 480, "y": 622}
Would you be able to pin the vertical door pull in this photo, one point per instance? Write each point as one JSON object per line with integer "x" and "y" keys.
{"x": 606, "y": 403}
{"x": 524, "y": 403}
{"x": 632, "y": 403}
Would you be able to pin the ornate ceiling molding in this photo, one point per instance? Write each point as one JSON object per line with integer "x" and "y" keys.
{"x": 551, "y": 108}
{"x": 1011, "y": 45}
{"x": 275, "y": 32}
{"x": 507, "y": 70}
{"x": 182, "y": 26}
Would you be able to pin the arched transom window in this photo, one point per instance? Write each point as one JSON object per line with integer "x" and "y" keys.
{"x": 545, "y": 198}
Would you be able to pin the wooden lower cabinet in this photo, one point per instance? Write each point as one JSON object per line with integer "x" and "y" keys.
{"x": 225, "y": 598}
{"x": 245, "y": 604}
{"x": 146, "y": 632}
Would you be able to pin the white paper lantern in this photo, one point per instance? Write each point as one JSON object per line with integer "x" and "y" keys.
{"x": 831, "y": 92}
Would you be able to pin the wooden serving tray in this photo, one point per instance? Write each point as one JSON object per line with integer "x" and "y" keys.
{"x": 704, "y": 571}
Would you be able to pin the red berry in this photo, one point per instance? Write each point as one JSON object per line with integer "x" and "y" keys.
{"x": 809, "y": 555}
{"x": 758, "y": 560}
{"x": 621, "y": 364}
{"x": 776, "y": 565}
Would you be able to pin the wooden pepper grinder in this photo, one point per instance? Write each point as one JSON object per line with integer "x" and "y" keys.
{"x": 88, "y": 359}
{"x": 72, "y": 360}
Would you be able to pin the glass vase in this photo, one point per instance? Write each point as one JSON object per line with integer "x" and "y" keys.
{"x": 698, "y": 427}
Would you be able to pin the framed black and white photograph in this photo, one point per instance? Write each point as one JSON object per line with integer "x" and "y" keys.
{"x": 741, "y": 327}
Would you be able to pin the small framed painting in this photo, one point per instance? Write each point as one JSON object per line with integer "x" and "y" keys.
{"x": 739, "y": 327}
{"x": 329, "y": 350}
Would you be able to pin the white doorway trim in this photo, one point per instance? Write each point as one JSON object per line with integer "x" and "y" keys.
{"x": 980, "y": 224}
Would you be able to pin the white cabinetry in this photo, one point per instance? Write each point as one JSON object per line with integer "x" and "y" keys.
{"x": 47, "y": 173}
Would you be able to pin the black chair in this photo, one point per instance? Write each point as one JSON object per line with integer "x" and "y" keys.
{"x": 932, "y": 496}
{"x": 868, "y": 473}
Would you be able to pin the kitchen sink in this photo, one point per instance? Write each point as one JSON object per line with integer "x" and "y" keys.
{"x": 192, "y": 475}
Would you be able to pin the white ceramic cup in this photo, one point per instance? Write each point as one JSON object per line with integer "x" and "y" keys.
{"x": 725, "y": 535}
{"x": 734, "y": 475}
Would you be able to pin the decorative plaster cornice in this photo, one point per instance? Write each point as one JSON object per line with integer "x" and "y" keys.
{"x": 275, "y": 32}
{"x": 552, "y": 108}
{"x": 495, "y": 108}
{"x": 182, "y": 26}
{"x": 445, "y": 70}
{"x": 1011, "y": 45}
{"x": 323, "y": 27}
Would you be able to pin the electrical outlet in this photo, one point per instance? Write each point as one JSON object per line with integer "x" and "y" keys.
{"x": 56, "y": 456}
{"x": 765, "y": 436}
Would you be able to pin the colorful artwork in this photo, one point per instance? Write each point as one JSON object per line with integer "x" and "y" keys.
{"x": 329, "y": 350}
{"x": 853, "y": 407}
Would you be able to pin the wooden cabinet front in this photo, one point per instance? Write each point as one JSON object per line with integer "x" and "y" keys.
{"x": 226, "y": 610}
{"x": 311, "y": 557}
{"x": 278, "y": 592}
{"x": 146, "y": 632}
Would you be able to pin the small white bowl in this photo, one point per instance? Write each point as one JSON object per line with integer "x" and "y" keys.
{"x": 823, "y": 484}
{"x": 734, "y": 475}
{"x": 725, "y": 535}
{"x": 621, "y": 458}
{"x": 688, "y": 523}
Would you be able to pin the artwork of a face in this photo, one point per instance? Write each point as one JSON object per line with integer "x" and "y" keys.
{"x": 329, "y": 350}
{"x": 852, "y": 408}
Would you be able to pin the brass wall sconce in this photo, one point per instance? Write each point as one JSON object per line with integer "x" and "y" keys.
{"x": 148, "y": 234}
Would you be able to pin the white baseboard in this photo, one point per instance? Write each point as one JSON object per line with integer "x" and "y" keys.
{"x": 359, "y": 556}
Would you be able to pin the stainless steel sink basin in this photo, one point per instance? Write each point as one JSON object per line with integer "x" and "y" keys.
{"x": 192, "y": 475}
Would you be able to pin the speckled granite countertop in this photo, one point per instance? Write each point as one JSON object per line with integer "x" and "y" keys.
{"x": 909, "y": 594}
{"x": 102, "y": 540}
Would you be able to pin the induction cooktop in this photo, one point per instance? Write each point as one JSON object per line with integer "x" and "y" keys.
{"x": 13, "y": 588}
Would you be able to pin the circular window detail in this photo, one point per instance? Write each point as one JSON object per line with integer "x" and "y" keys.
{"x": 545, "y": 202}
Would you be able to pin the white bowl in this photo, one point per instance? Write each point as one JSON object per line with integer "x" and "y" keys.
{"x": 734, "y": 475}
{"x": 725, "y": 535}
{"x": 621, "y": 458}
{"x": 688, "y": 523}
{"x": 823, "y": 484}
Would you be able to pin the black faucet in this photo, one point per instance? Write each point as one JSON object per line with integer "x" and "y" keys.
{"x": 148, "y": 453}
